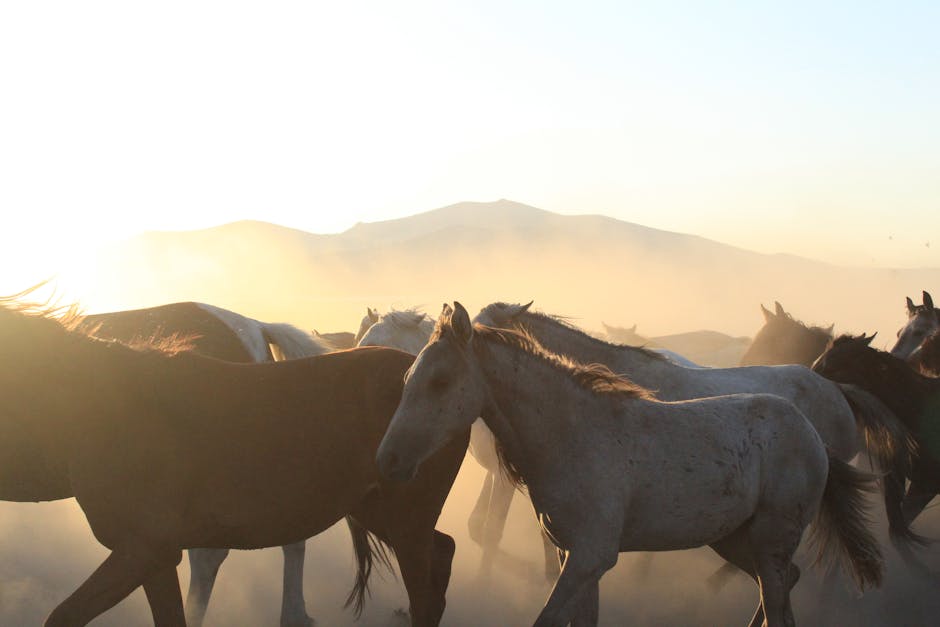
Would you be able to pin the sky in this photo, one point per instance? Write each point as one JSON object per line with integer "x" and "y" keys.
{"x": 807, "y": 128}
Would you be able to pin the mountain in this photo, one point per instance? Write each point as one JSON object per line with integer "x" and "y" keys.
{"x": 588, "y": 266}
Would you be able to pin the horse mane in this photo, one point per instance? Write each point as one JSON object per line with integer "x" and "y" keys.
{"x": 404, "y": 318}
{"x": 788, "y": 320}
{"x": 566, "y": 323}
{"x": 71, "y": 320}
{"x": 596, "y": 378}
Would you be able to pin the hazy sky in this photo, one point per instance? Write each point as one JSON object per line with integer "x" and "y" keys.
{"x": 802, "y": 127}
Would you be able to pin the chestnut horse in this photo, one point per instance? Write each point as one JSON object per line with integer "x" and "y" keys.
{"x": 223, "y": 334}
{"x": 166, "y": 451}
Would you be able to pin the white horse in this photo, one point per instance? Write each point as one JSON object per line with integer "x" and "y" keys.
{"x": 260, "y": 341}
{"x": 836, "y": 411}
{"x": 610, "y": 469}
{"x": 409, "y": 330}
{"x": 922, "y": 322}
{"x": 406, "y": 330}
{"x": 371, "y": 317}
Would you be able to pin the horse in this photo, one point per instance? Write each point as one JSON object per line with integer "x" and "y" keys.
{"x": 410, "y": 330}
{"x": 922, "y": 321}
{"x": 915, "y": 400}
{"x": 216, "y": 332}
{"x": 785, "y": 340}
{"x": 167, "y": 450}
{"x": 371, "y": 317}
{"x": 406, "y": 330}
{"x": 611, "y": 469}
{"x": 836, "y": 411}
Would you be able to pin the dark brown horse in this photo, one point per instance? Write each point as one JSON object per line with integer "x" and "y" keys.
{"x": 915, "y": 400}
{"x": 223, "y": 334}
{"x": 785, "y": 340}
{"x": 169, "y": 451}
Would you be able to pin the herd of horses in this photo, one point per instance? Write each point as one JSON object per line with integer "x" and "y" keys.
{"x": 191, "y": 427}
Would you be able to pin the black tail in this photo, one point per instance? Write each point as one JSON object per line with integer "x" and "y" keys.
{"x": 893, "y": 449}
{"x": 842, "y": 529}
{"x": 367, "y": 547}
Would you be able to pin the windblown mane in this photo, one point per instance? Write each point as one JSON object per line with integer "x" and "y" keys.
{"x": 595, "y": 378}
{"x": 789, "y": 321}
{"x": 71, "y": 319}
{"x": 565, "y": 322}
{"x": 404, "y": 318}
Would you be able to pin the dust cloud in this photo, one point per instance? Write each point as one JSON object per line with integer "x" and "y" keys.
{"x": 591, "y": 268}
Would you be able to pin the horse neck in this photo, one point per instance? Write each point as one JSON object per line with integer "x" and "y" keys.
{"x": 579, "y": 346}
{"x": 530, "y": 406}
{"x": 48, "y": 415}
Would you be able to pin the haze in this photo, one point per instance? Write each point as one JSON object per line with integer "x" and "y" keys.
{"x": 670, "y": 165}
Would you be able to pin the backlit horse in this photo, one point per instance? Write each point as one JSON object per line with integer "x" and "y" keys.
{"x": 610, "y": 469}
{"x": 223, "y": 334}
{"x": 785, "y": 340}
{"x": 169, "y": 451}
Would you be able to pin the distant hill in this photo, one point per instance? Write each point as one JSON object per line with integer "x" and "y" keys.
{"x": 591, "y": 267}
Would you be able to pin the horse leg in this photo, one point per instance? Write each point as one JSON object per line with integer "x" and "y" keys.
{"x": 293, "y": 605}
{"x": 588, "y": 609}
{"x": 203, "y": 568}
{"x": 579, "y": 578}
{"x": 915, "y": 501}
{"x": 124, "y": 570}
{"x": 735, "y": 549}
{"x": 166, "y": 601}
{"x": 442, "y": 561}
{"x": 500, "y": 500}
{"x": 477, "y": 521}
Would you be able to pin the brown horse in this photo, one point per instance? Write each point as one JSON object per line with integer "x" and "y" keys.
{"x": 168, "y": 451}
{"x": 785, "y": 340}
{"x": 223, "y": 334}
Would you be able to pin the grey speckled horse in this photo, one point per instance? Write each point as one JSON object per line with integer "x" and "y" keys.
{"x": 610, "y": 469}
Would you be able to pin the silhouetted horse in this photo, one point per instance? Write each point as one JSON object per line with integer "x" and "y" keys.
{"x": 915, "y": 400}
{"x": 785, "y": 340}
{"x": 223, "y": 334}
{"x": 169, "y": 451}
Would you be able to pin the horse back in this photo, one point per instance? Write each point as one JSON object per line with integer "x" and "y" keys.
{"x": 203, "y": 331}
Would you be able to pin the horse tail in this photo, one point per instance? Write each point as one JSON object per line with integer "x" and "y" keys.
{"x": 842, "y": 529}
{"x": 893, "y": 449}
{"x": 368, "y": 548}
{"x": 289, "y": 342}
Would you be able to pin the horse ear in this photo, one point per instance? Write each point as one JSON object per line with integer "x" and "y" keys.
{"x": 928, "y": 301}
{"x": 779, "y": 309}
{"x": 529, "y": 304}
{"x": 446, "y": 310}
{"x": 911, "y": 308}
{"x": 868, "y": 340}
{"x": 373, "y": 314}
{"x": 767, "y": 315}
{"x": 460, "y": 323}
{"x": 633, "y": 329}
{"x": 832, "y": 327}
